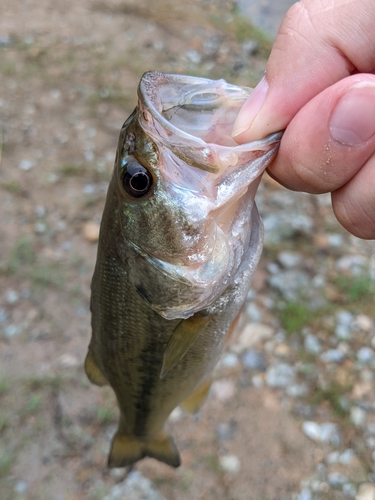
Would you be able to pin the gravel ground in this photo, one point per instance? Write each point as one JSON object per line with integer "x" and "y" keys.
{"x": 291, "y": 414}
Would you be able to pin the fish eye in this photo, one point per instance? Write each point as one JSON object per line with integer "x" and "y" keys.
{"x": 136, "y": 179}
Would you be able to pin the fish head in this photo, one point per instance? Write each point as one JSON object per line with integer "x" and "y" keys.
{"x": 185, "y": 191}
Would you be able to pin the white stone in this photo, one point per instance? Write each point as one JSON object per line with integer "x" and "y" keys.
{"x": 230, "y": 463}
{"x": 223, "y": 389}
{"x": 251, "y": 335}
{"x": 366, "y": 492}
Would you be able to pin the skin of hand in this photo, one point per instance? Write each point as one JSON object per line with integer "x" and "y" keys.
{"x": 319, "y": 86}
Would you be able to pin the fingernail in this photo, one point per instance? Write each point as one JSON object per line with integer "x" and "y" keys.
{"x": 353, "y": 119}
{"x": 251, "y": 108}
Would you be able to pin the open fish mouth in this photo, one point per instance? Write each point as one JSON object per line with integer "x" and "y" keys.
{"x": 210, "y": 179}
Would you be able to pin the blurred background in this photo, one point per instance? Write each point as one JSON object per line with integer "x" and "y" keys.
{"x": 291, "y": 414}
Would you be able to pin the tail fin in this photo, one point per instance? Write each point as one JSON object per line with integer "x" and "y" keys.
{"x": 127, "y": 450}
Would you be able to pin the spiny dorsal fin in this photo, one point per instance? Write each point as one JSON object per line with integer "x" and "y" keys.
{"x": 182, "y": 338}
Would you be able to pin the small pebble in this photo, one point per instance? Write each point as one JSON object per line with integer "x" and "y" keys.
{"x": 254, "y": 360}
{"x": 26, "y": 165}
{"x": 312, "y": 344}
{"x": 305, "y": 494}
{"x": 365, "y": 354}
{"x": 12, "y": 297}
{"x": 336, "y": 479}
{"x": 223, "y": 389}
{"x": 280, "y": 375}
{"x": 251, "y": 335}
{"x": 366, "y": 492}
{"x": 230, "y": 463}
{"x": 358, "y": 416}
{"x": 290, "y": 259}
{"x": 332, "y": 356}
{"x": 40, "y": 227}
{"x": 326, "y": 432}
{"x": 297, "y": 390}
{"x": 91, "y": 232}
{"x": 226, "y": 431}
{"x": 364, "y": 323}
{"x": 20, "y": 487}
{"x": 68, "y": 361}
{"x": 228, "y": 360}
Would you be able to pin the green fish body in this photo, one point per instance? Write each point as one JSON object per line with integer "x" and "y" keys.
{"x": 180, "y": 239}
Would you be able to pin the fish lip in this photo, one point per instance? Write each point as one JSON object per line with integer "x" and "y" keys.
{"x": 147, "y": 94}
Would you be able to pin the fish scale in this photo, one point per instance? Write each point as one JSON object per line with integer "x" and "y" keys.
{"x": 172, "y": 275}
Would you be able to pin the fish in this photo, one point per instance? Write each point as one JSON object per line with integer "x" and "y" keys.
{"x": 179, "y": 241}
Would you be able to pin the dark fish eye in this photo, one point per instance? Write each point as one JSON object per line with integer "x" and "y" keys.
{"x": 136, "y": 179}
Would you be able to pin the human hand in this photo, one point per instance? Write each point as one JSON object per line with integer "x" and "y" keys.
{"x": 320, "y": 87}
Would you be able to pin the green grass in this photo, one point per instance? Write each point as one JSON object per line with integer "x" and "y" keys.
{"x": 357, "y": 289}
{"x": 33, "y": 404}
{"x": 21, "y": 255}
{"x": 332, "y": 395}
{"x": 294, "y": 316}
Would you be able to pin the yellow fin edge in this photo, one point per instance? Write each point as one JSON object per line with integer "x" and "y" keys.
{"x": 127, "y": 450}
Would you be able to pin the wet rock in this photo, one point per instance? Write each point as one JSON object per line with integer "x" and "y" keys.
{"x": 230, "y": 463}
{"x": 136, "y": 487}
{"x": 254, "y": 360}
{"x": 280, "y": 375}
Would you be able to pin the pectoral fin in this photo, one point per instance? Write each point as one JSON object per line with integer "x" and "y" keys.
{"x": 127, "y": 449}
{"x": 93, "y": 372}
{"x": 182, "y": 338}
{"x": 195, "y": 400}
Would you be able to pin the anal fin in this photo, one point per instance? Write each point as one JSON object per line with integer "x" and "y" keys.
{"x": 127, "y": 450}
{"x": 93, "y": 372}
{"x": 193, "y": 402}
{"x": 182, "y": 338}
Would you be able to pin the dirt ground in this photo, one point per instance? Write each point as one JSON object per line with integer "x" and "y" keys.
{"x": 69, "y": 72}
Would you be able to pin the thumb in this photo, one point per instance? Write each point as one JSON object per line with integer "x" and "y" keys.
{"x": 318, "y": 44}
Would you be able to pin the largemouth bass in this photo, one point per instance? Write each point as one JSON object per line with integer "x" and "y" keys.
{"x": 180, "y": 239}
